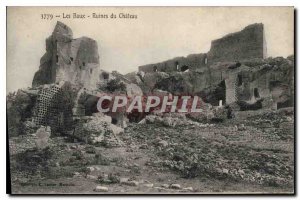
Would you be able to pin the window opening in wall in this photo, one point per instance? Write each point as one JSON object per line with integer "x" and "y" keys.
{"x": 71, "y": 58}
{"x": 83, "y": 63}
{"x": 56, "y": 59}
{"x": 256, "y": 93}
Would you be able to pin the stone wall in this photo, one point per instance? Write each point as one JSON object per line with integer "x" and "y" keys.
{"x": 191, "y": 62}
{"x": 231, "y": 89}
{"x": 54, "y": 107}
{"x": 45, "y": 103}
{"x": 246, "y": 44}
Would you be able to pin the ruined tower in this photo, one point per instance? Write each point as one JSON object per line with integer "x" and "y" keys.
{"x": 68, "y": 59}
{"x": 246, "y": 44}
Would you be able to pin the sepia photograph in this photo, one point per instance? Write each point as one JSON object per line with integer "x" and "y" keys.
{"x": 150, "y": 100}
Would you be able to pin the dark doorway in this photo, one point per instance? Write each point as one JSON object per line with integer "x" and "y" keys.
{"x": 155, "y": 68}
{"x": 214, "y": 95}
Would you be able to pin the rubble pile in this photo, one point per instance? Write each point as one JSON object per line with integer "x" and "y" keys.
{"x": 168, "y": 119}
{"x": 214, "y": 152}
{"x": 211, "y": 115}
{"x": 277, "y": 125}
{"x": 30, "y": 127}
{"x": 98, "y": 130}
{"x": 40, "y": 139}
{"x": 21, "y": 144}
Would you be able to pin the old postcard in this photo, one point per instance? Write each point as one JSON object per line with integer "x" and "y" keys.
{"x": 150, "y": 100}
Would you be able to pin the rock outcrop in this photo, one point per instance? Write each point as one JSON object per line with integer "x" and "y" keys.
{"x": 269, "y": 81}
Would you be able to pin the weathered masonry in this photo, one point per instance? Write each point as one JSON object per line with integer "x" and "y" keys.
{"x": 54, "y": 107}
{"x": 68, "y": 59}
{"x": 234, "y": 70}
{"x": 191, "y": 62}
{"x": 246, "y": 44}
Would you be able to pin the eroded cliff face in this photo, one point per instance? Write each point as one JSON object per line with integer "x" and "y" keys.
{"x": 68, "y": 59}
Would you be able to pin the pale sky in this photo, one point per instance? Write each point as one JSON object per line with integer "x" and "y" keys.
{"x": 158, "y": 34}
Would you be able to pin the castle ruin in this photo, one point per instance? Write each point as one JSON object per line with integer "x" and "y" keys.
{"x": 247, "y": 44}
{"x": 68, "y": 59}
{"x": 235, "y": 69}
{"x": 235, "y": 72}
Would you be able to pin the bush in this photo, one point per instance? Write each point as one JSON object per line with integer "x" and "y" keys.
{"x": 19, "y": 108}
{"x": 115, "y": 85}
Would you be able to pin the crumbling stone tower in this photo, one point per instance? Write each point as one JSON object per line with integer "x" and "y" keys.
{"x": 68, "y": 59}
{"x": 68, "y": 65}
